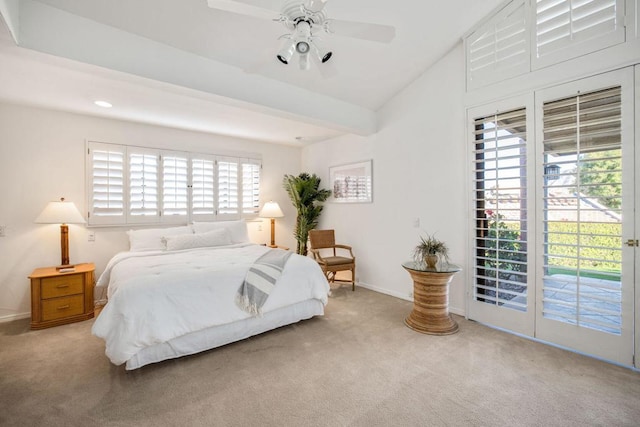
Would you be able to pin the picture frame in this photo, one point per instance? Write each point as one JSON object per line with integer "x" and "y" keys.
{"x": 352, "y": 182}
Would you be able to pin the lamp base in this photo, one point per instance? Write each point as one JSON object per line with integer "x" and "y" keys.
{"x": 65, "y": 267}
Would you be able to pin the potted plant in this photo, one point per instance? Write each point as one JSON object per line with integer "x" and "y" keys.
{"x": 306, "y": 195}
{"x": 430, "y": 250}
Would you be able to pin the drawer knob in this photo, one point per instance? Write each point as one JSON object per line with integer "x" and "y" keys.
{"x": 63, "y": 307}
{"x": 62, "y": 286}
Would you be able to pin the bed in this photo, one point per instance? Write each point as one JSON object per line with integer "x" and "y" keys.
{"x": 173, "y": 293}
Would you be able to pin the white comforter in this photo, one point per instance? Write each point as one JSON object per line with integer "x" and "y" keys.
{"x": 157, "y": 296}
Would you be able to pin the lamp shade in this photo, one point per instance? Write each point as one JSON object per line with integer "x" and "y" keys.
{"x": 60, "y": 212}
{"x": 271, "y": 210}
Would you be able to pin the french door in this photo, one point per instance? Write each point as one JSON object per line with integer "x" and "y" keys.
{"x": 554, "y": 209}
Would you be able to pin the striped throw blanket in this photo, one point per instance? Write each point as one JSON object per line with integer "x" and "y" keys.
{"x": 260, "y": 281}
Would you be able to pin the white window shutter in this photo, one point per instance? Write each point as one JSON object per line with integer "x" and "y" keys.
{"x": 500, "y": 159}
{"x": 566, "y": 29}
{"x": 203, "y": 183}
{"x": 250, "y": 187}
{"x": 105, "y": 173}
{"x": 228, "y": 187}
{"x": 143, "y": 186}
{"x": 175, "y": 191}
{"x": 499, "y": 49}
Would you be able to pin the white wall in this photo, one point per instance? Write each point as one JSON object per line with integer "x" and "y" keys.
{"x": 42, "y": 158}
{"x": 418, "y": 172}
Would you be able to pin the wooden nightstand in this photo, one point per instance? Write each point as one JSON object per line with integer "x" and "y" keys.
{"x": 60, "y": 298}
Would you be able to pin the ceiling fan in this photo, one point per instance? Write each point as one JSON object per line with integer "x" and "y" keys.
{"x": 306, "y": 20}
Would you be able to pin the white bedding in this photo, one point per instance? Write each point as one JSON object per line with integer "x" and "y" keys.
{"x": 158, "y": 296}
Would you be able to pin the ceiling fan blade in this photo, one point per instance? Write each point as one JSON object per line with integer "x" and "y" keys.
{"x": 361, "y": 30}
{"x": 316, "y": 5}
{"x": 243, "y": 9}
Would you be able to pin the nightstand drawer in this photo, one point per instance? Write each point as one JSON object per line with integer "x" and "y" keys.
{"x": 62, "y": 307}
{"x": 53, "y": 287}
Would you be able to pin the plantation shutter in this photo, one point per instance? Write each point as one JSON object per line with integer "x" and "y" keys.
{"x": 106, "y": 184}
{"x": 175, "y": 181}
{"x": 593, "y": 119}
{"x": 500, "y": 147}
{"x": 228, "y": 189}
{"x": 250, "y": 187}
{"x": 582, "y": 210}
{"x": 203, "y": 183}
{"x": 499, "y": 49}
{"x": 566, "y": 29}
{"x": 143, "y": 185}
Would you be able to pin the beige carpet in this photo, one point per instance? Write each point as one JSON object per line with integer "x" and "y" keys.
{"x": 357, "y": 366}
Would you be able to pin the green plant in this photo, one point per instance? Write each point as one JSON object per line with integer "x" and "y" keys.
{"x": 306, "y": 196}
{"x": 430, "y": 246}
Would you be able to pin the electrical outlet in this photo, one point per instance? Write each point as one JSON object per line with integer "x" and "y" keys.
{"x": 3, "y": 230}
{"x": 91, "y": 236}
{"x": 416, "y": 223}
{"x": 259, "y": 227}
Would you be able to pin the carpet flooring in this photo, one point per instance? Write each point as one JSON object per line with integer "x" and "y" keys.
{"x": 356, "y": 366}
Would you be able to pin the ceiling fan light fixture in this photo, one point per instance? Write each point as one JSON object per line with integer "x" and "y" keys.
{"x": 305, "y": 64}
{"x": 286, "y": 51}
{"x": 302, "y": 47}
{"x": 321, "y": 54}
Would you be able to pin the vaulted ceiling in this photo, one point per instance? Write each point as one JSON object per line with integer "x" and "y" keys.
{"x": 183, "y": 64}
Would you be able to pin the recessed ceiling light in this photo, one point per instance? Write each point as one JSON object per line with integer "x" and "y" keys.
{"x": 103, "y": 104}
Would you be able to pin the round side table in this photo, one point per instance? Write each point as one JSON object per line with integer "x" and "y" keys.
{"x": 430, "y": 314}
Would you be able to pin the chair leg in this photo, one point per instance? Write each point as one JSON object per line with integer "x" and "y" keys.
{"x": 353, "y": 279}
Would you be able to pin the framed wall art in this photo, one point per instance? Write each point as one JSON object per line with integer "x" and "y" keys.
{"x": 352, "y": 182}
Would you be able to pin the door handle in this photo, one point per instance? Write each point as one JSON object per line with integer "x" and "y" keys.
{"x": 631, "y": 242}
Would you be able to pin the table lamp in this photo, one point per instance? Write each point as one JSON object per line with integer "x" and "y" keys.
{"x": 272, "y": 210}
{"x": 62, "y": 213}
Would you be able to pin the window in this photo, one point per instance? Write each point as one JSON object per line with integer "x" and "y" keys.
{"x": 524, "y": 36}
{"x": 203, "y": 205}
{"x": 569, "y": 28}
{"x": 143, "y": 185}
{"x": 134, "y": 185}
{"x": 583, "y": 210}
{"x": 175, "y": 189}
{"x": 250, "y": 187}
{"x": 106, "y": 179}
{"x": 499, "y": 49}
{"x": 228, "y": 191}
{"x": 501, "y": 209}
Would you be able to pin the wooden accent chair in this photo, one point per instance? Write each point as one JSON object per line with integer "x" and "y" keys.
{"x": 323, "y": 242}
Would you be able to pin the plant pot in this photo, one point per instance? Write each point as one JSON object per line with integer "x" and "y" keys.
{"x": 431, "y": 261}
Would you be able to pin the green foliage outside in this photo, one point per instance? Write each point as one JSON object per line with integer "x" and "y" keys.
{"x": 502, "y": 246}
{"x": 606, "y": 173}
{"x": 605, "y": 239}
{"x": 306, "y": 195}
{"x": 599, "y": 248}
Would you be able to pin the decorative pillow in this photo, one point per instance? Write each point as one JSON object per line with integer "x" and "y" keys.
{"x": 237, "y": 229}
{"x": 150, "y": 239}
{"x": 219, "y": 237}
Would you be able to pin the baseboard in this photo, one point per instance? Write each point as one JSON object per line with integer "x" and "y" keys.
{"x": 12, "y": 317}
{"x": 406, "y": 297}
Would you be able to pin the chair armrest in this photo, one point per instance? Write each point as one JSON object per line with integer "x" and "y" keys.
{"x": 346, "y": 247}
{"x": 317, "y": 256}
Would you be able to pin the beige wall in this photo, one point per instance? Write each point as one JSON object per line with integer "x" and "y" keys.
{"x": 42, "y": 159}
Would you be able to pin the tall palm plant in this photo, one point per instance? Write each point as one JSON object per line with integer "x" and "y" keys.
{"x": 305, "y": 194}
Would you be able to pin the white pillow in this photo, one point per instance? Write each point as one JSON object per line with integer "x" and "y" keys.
{"x": 237, "y": 229}
{"x": 150, "y": 239}
{"x": 219, "y": 237}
